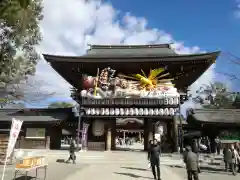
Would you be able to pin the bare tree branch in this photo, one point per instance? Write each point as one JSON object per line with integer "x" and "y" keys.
{"x": 28, "y": 91}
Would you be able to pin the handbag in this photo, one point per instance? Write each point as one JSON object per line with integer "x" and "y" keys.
{"x": 149, "y": 165}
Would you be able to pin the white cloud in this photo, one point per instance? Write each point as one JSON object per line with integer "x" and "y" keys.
{"x": 68, "y": 27}
{"x": 237, "y": 11}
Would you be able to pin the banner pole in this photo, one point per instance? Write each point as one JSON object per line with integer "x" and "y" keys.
{"x": 4, "y": 167}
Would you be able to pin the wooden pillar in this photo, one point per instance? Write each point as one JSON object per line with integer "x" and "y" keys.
{"x": 47, "y": 145}
{"x": 113, "y": 134}
{"x": 145, "y": 135}
{"x": 175, "y": 134}
{"x": 148, "y": 133}
{"x": 109, "y": 139}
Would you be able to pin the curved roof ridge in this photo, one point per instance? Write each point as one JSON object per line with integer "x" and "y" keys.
{"x": 95, "y": 46}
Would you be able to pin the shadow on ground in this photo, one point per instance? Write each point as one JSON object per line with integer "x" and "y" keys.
{"x": 25, "y": 178}
{"x": 207, "y": 169}
{"x": 133, "y": 168}
{"x": 61, "y": 161}
{"x": 132, "y": 175}
{"x": 129, "y": 149}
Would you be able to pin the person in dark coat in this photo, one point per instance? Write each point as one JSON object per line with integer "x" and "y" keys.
{"x": 191, "y": 160}
{"x": 228, "y": 157}
{"x": 154, "y": 158}
{"x": 72, "y": 155}
{"x": 218, "y": 145}
{"x": 196, "y": 149}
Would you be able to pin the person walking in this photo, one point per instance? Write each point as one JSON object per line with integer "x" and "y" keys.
{"x": 218, "y": 145}
{"x": 229, "y": 159}
{"x": 191, "y": 160}
{"x": 235, "y": 159}
{"x": 237, "y": 147}
{"x": 154, "y": 158}
{"x": 72, "y": 155}
{"x": 196, "y": 149}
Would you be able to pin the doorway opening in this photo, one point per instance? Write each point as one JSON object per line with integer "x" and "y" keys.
{"x": 129, "y": 134}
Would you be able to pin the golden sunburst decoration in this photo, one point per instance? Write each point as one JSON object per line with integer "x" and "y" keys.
{"x": 154, "y": 78}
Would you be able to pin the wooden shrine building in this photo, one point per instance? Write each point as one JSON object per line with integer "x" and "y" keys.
{"x": 224, "y": 123}
{"x": 41, "y": 129}
{"x": 147, "y": 82}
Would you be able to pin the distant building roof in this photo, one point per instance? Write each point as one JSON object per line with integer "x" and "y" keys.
{"x": 130, "y": 50}
{"x": 35, "y": 115}
{"x": 207, "y": 116}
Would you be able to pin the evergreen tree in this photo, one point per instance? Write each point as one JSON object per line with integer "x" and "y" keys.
{"x": 60, "y": 105}
{"x": 19, "y": 35}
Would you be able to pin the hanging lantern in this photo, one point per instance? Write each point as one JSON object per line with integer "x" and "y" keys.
{"x": 97, "y": 111}
{"x": 88, "y": 111}
{"x": 117, "y": 111}
{"x": 102, "y": 111}
{"x": 121, "y": 111}
{"x": 171, "y": 111}
{"x": 112, "y": 111}
{"x": 150, "y": 112}
{"x": 166, "y": 101}
{"x": 176, "y": 101}
{"x": 131, "y": 111}
{"x": 155, "y": 111}
{"x": 166, "y": 112}
{"x": 126, "y": 111}
{"x": 145, "y": 111}
{"x": 140, "y": 112}
{"x": 136, "y": 111}
{"x": 161, "y": 112}
{"x": 92, "y": 111}
{"x": 106, "y": 111}
{"x": 170, "y": 101}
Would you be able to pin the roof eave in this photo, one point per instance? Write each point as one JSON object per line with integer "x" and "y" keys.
{"x": 190, "y": 57}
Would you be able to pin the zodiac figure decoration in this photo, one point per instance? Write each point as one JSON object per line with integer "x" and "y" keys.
{"x": 108, "y": 84}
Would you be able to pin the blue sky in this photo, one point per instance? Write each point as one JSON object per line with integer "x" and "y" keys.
{"x": 210, "y": 25}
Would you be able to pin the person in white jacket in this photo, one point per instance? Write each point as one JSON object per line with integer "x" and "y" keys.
{"x": 235, "y": 157}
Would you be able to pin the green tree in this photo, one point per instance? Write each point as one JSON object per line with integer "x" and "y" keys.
{"x": 20, "y": 33}
{"x": 60, "y": 105}
{"x": 214, "y": 95}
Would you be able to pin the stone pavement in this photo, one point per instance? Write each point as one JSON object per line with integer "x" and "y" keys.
{"x": 106, "y": 157}
{"x": 122, "y": 172}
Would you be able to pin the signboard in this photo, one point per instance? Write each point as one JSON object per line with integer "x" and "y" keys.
{"x": 106, "y": 84}
{"x": 35, "y": 132}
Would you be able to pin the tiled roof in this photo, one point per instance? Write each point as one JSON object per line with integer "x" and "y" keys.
{"x": 39, "y": 115}
{"x": 215, "y": 115}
